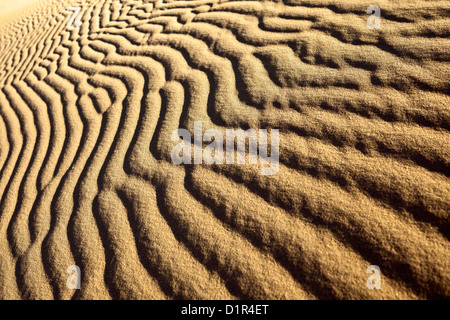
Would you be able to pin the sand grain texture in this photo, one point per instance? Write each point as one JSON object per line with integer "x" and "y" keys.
{"x": 86, "y": 177}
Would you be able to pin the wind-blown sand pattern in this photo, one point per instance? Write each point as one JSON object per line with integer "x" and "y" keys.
{"x": 86, "y": 177}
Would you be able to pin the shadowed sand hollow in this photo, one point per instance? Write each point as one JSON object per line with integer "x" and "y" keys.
{"x": 91, "y": 92}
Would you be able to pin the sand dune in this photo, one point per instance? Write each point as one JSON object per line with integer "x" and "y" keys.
{"x": 91, "y": 92}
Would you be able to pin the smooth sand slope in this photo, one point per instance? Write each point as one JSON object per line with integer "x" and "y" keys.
{"x": 88, "y": 107}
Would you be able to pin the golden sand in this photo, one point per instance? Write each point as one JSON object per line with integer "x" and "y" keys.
{"x": 88, "y": 105}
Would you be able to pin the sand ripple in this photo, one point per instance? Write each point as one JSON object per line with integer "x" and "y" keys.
{"x": 86, "y": 115}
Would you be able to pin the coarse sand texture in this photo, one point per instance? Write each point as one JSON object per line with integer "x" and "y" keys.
{"x": 93, "y": 94}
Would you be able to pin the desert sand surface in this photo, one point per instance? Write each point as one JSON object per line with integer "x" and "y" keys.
{"x": 91, "y": 92}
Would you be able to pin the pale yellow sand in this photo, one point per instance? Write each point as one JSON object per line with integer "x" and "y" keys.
{"x": 86, "y": 177}
{"x": 8, "y": 7}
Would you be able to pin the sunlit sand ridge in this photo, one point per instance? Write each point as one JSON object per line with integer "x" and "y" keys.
{"x": 91, "y": 92}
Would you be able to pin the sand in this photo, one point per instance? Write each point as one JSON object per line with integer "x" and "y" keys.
{"x": 87, "y": 111}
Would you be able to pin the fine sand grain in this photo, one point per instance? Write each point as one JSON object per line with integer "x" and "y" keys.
{"x": 88, "y": 107}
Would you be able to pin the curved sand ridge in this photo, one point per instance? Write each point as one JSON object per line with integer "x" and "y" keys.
{"x": 86, "y": 177}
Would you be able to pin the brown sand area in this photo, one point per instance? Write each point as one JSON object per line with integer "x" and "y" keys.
{"x": 86, "y": 178}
